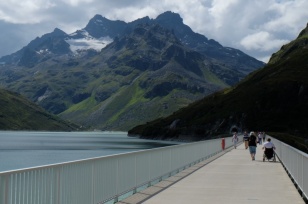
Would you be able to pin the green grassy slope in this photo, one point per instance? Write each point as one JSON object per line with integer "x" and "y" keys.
{"x": 18, "y": 113}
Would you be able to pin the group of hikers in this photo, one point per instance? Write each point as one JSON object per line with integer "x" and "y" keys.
{"x": 251, "y": 141}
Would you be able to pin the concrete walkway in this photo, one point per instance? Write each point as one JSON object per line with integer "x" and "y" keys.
{"x": 231, "y": 178}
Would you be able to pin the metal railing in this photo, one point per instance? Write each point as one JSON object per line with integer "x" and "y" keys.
{"x": 295, "y": 163}
{"x": 102, "y": 179}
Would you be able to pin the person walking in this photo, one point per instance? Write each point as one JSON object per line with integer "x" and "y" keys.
{"x": 260, "y": 138}
{"x": 263, "y": 136}
{"x": 234, "y": 139}
{"x": 245, "y": 139}
{"x": 252, "y": 143}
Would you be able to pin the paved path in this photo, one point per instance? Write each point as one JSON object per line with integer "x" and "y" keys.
{"x": 231, "y": 178}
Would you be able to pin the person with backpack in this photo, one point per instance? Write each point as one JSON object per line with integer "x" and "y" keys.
{"x": 245, "y": 139}
{"x": 252, "y": 143}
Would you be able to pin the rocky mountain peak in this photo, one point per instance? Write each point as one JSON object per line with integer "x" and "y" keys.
{"x": 291, "y": 48}
{"x": 148, "y": 42}
{"x": 143, "y": 19}
{"x": 149, "y": 30}
{"x": 100, "y": 26}
{"x": 98, "y": 19}
{"x": 97, "y": 16}
{"x": 58, "y": 32}
{"x": 169, "y": 16}
{"x": 303, "y": 32}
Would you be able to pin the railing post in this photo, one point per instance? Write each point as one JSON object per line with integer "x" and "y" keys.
{"x": 116, "y": 199}
{"x": 3, "y": 190}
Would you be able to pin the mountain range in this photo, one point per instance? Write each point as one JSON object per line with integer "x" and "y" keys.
{"x": 273, "y": 99}
{"x": 114, "y": 75}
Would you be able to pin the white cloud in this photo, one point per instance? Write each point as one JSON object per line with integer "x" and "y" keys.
{"x": 262, "y": 41}
{"x": 23, "y": 12}
{"x": 77, "y": 2}
{"x": 239, "y": 24}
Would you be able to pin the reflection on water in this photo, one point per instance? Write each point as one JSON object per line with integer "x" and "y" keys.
{"x": 28, "y": 149}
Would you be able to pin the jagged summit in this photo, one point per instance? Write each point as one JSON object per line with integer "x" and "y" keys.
{"x": 100, "y": 26}
{"x": 97, "y": 16}
{"x": 291, "y": 48}
{"x": 101, "y": 31}
{"x": 169, "y": 16}
{"x": 304, "y": 32}
{"x": 58, "y": 32}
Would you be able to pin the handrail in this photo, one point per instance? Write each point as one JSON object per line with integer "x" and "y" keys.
{"x": 295, "y": 163}
{"x": 100, "y": 179}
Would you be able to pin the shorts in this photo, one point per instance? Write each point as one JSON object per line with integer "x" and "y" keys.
{"x": 252, "y": 149}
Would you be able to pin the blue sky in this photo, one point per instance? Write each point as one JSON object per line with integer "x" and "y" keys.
{"x": 257, "y": 27}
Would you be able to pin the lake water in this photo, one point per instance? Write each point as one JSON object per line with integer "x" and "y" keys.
{"x": 20, "y": 150}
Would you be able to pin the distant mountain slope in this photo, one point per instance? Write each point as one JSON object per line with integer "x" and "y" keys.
{"x": 115, "y": 75}
{"x": 218, "y": 55}
{"x": 18, "y": 113}
{"x": 273, "y": 99}
{"x": 291, "y": 48}
{"x": 39, "y": 49}
{"x": 152, "y": 74}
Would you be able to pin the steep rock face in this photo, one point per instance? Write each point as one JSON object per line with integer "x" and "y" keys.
{"x": 301, "y": 42}
{"x": 100, "y": 26}
{"x": 39, "y": 50}
{"x": 231, "y": 58}
{"x": 273, "y": 99}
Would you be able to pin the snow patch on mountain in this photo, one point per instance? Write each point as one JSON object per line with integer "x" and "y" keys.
{"x": 87, "y": 41}
{"x": 44, "y": 96}
{"x": 46, "y": 51}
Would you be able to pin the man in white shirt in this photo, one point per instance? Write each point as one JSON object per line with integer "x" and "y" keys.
{"x": 268, "y": 144}
{"x": 269, "y": 148}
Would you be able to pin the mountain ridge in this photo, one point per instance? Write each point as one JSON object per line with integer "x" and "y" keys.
{"x": 100, "y": 27}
